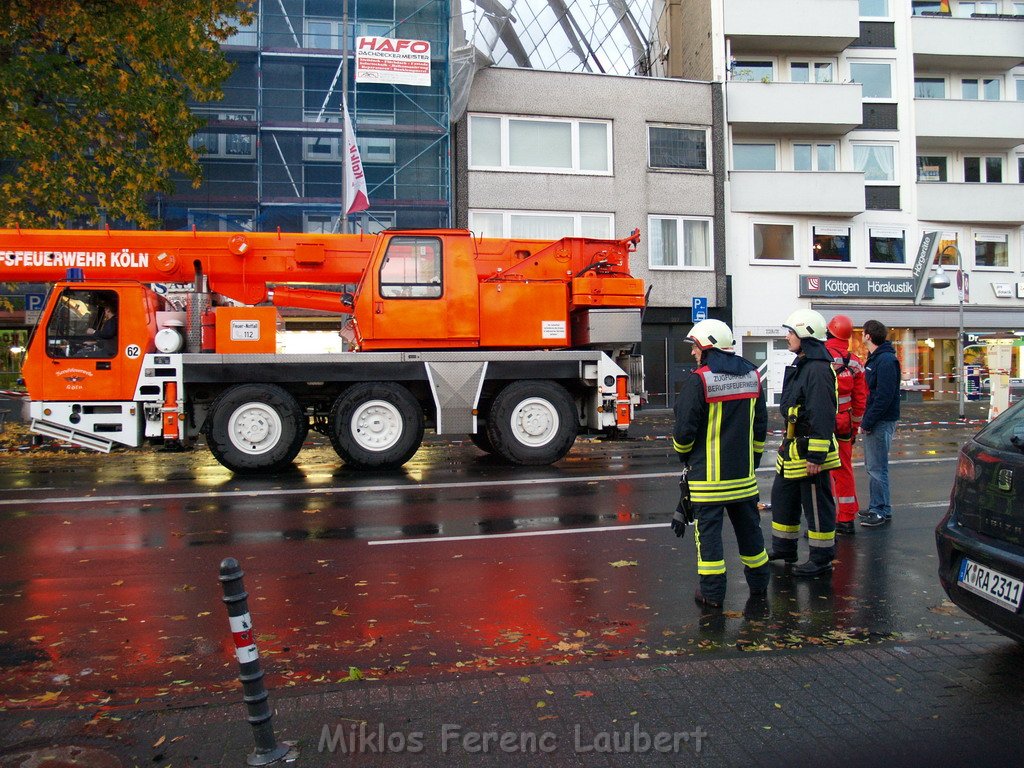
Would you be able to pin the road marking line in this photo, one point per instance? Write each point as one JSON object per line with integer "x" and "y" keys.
{"x": 332, "y": 490}
{"x": 556, "y": 532}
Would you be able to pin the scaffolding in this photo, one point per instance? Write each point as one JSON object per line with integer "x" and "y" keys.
{"x": 272, "y": 147}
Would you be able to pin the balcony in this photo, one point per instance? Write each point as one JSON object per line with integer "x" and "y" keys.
{"x": 971, "y": 203}
{"x": 805, "y": 26}
{"x": 981, "y": 125}
{"x": 815, "y": 109}
{"x": 965, "y": 45}
{"x": 834, "y": 193}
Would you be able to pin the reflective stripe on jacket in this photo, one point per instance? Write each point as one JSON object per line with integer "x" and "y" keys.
{"x": 720, "y": 429}
{"x": 809, "y": 404}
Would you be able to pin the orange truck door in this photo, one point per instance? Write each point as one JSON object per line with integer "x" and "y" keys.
{"x": 421, "y": 299}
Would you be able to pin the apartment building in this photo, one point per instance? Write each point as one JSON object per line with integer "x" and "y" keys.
{"x": 551, "y": 154}
{"x": 271, "y": 149}
{"x": 853, "y": 127}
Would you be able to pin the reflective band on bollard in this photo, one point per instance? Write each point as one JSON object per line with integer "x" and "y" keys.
{"x": 250, "y": 674}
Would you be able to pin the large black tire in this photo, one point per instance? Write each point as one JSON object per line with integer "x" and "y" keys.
{"x": 532, "y": 423}
{"x": 255, "y": 428}
{"x": 376, "y": 426}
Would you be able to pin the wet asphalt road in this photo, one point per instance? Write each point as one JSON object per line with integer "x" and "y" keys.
{"x": 109, "y": 564}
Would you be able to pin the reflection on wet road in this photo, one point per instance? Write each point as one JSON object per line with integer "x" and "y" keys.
{"x": 109, "y": 588}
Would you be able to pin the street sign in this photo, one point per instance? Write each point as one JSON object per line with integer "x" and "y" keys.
{"x": 923, "y": 263}
{"x": 699, "y": 310}
{"x": 34, "y": 301}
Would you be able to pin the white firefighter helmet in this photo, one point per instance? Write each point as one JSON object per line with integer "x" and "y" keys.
{"x": 712, "y": 333}
{"x": 806, "y": 324}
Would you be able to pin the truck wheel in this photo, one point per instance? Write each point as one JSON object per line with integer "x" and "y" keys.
{"x": 532, "y": 422}
{"x": 376, "y": 426}
{"x": 255, "y": 428}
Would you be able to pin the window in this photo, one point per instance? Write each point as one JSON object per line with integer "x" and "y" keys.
{"x": 753, "y": 157}
{"x": 1020, "y": 169}
{"x": 753, "y": 71}
{"x": 84, "y": 324}
{"x": 964, "y": 10}
{"x": 325, "y": 147}
{"x": 540, "y": 144}
{"x": 985, "y": 89}
{"x": 327, "y": 33}
{"x": 886, "y": 246}
{"x": 1018, "y": 9}
{"x": 411, "y": 269}
{"x": 222, "y": 221}
{"x": 874, "y": 8}
{"x": 831, "y": 244}
{"x": 676, "y": 242}
{"x": 929, "y": 88}
{"x": 814, "y": 157}
{"x": 932, "y": 168}
{"x": 946, "y": 255}
{"x": 986, "y": 170}
{"x": 875, "y": 78}
{"x": 375, "y": 150}
{"x": 930, "y": 7}
{"x": 773, "y": 242}
{"x": 677, "y": 147}
{"x": 812, "y": 72}
{"x": 876, "y": 161}
{"x": 542, "y": 225}
{"x": 320, "y": 223}
{"x": 991, "y": 250}
{"x": 221, "y": 145}
{"x": 1019, "y": 84}
{"x": 246, "y": 34}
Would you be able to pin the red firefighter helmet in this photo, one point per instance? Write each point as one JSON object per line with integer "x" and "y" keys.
{"x": 841, "y": 327}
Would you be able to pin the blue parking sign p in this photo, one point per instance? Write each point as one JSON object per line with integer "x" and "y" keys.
{"x": 34, "y": 301}
{"x": 699, "y": 310}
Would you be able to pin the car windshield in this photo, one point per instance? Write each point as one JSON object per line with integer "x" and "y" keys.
{"x": 1005, "y": 433}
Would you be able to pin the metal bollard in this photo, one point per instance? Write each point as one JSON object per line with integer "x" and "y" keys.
{"x": 255, "y": 693}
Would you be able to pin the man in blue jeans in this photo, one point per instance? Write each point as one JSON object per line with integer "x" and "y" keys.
{"x": 882, "y": 372}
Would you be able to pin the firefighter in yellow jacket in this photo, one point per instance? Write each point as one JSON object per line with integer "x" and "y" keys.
{"x": 720, "y": 427}
{"x": 809, "y": 449}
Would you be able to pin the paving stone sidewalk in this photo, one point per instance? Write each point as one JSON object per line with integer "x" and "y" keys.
{"x": 928, "y": 703}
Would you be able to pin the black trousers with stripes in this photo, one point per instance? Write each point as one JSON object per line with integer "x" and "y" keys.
{"x": 812, "y": 496}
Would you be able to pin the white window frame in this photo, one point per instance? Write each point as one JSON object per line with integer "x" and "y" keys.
{"x": 883, "y": 230}
{"x": 681, "y": 222}
{"x": 945, "y": 87}
{"x": 980, "y": 79}
{"x": 735, "y": 66}
{"x": 332, "y": 220}
{"x": 886, "y": 15}
{"x": 239, "y": 213}
{"x": 983, "y": 168}
{"x": 773, "y": 144}
{"x": 331, "y": 138}
{"x": 574, "y": 123}
{"x": 891, "y": 98}
{"x": 364, "y": 28}
{"x": 795, "y": 261}
{"x": 1018, "y": 86}
{"x": 974, "y": 5}
{"x": 220, "y": 151}
{"x": 812, "y": 70}
{"x": 246, "y": 34}
{"x": 814, "y": 145}
{"x": 949, "y": 169}
{"x": 507, "y": 214}
{"x": 1017, "y": 9}
{"x": 672, "y": 126}
{"x": 368, "y": 143}
{"x": 817, "y": 228}
{"x": 982, "y": 233}
{"x": 895, "y": 180}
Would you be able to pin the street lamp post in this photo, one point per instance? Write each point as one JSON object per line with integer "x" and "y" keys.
{"x": 941, "y": 280}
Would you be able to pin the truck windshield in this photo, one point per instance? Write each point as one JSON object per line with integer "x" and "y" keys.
{"x": 83, "y": 324}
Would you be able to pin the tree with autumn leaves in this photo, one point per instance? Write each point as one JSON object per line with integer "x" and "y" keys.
{"x": 94, "y": 95}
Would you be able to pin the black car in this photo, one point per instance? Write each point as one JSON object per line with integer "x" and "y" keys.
{"x": 981, "y": 538}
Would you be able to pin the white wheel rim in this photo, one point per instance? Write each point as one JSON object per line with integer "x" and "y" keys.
{"x": 376, "y": 425}
{"x": 534, "y": 422}
{"x": 254, "y": 428}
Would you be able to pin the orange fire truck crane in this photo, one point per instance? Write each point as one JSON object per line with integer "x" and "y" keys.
{"x": 518, "y": 343}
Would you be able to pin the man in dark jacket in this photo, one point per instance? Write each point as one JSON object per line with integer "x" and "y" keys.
{"x": 721, "y": 424}
{"x": 882, "y": 372}
{"x": 809, "y": 450}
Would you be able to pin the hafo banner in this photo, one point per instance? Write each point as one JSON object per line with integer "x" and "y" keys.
{"x": 391, "y": 60}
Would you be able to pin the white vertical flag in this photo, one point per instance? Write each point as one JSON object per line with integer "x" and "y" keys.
{"x": 355, "y": 197}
